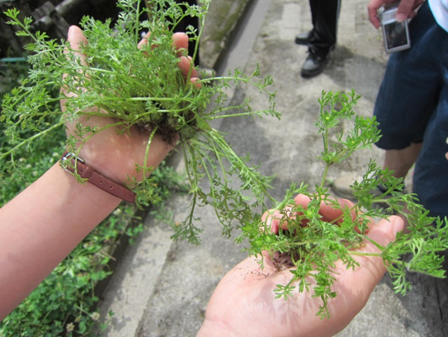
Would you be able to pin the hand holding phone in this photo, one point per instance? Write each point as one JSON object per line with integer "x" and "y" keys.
{"x": 395, "y": 34}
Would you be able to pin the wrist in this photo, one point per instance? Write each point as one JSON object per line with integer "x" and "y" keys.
{"x": 115, "y": 167}
{"x": 120, "y": 158}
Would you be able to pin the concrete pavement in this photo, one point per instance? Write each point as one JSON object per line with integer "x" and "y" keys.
{"x": 161, "y": 288}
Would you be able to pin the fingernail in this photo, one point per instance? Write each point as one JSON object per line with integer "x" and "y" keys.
{"x": 400, "y": 17}
{"x": 397, "y": 225}
{"x": 69, "y": 32}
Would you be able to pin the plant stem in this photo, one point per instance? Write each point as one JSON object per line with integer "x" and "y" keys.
{"x": 364, "y": 254}
{"x": 324, "y": 176}
{"x": 31, "y": 139}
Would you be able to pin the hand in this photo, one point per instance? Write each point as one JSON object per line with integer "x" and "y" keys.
{"x": 45, "y": 222}
{"x": 114, "y": 155}
{"x": 243, "y": 304}
{"x": 405, "y": 10}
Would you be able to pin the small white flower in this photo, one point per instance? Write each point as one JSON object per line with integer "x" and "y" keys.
{"x": 70, "y": 327}
{"x": 95, "y": 316}
{"x": 35, "y": 173}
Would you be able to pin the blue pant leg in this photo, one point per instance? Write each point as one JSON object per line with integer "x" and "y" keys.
{"x": 430, "y": 181}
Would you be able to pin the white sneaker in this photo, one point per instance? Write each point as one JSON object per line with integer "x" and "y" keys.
{"x": 342, "y": 185}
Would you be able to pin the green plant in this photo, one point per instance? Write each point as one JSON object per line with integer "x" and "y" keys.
{"x": 65, "y": 303}
{"x": 146, "y": 90}
{"x": 312, "y": 250}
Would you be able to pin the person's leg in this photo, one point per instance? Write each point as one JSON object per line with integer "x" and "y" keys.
{"x": 430, "y": 180}
{"x": 323, "y": 36}
{"x": 407, "y": 98}
{"x": 324, "y": 16}
{"x": 401, "y": 161}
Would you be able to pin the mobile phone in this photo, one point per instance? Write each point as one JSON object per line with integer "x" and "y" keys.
{"x": 395, "y": 34}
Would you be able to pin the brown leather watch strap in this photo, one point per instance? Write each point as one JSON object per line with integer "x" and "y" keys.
{"x": 96, "y": 178}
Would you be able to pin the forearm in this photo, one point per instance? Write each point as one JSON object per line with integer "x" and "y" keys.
{"x": 41, "y": 226}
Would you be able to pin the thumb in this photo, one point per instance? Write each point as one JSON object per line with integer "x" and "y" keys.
{"x": 404, "y": 10}
{"x": 385, "y": 231}
{"x": 371, "y": 268}
{"x": 77, "y": 41}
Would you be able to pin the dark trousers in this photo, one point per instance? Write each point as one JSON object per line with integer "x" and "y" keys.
{"x": 324, "y": 17}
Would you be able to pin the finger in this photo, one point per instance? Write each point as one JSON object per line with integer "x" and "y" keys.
{"x": 272, "y": 220}
{"x": 186, "y": 64}
{"x": 186, "y": 67}
{"x": 329, "y": 211}
{"x": 77, "y": 41}
{"x": 180, "y": 41}
{"x": 195, "y": 82}
{"x": 372, "y": 10}
{"x": 405, "y": 10}
{"x": 268, "y": 221}
{"x": 332, "y": 213}
{"x": 371, "y": 268}
{"x": 144, "y": 41}
{"x": 302, "y": 200}
{"x": 383, "y": 233}
{"x": 277, "y": 218}
{"x": 356, "y": 285}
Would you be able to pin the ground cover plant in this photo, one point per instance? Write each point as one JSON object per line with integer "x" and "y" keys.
{"x": 66, "y": 301}
{"x": 146, "y": 90}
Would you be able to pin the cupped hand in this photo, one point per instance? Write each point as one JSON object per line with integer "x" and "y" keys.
{"x": 115, "y": 154}
{"x": 405, "y": 9}
{"x": 244, "y": 302}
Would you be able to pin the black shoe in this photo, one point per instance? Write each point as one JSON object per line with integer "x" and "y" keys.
{"x": 313, "y": 65}
{"x": 302, "y": 38}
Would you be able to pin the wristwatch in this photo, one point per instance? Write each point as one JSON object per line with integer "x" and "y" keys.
{"x": 70, "y": 162}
